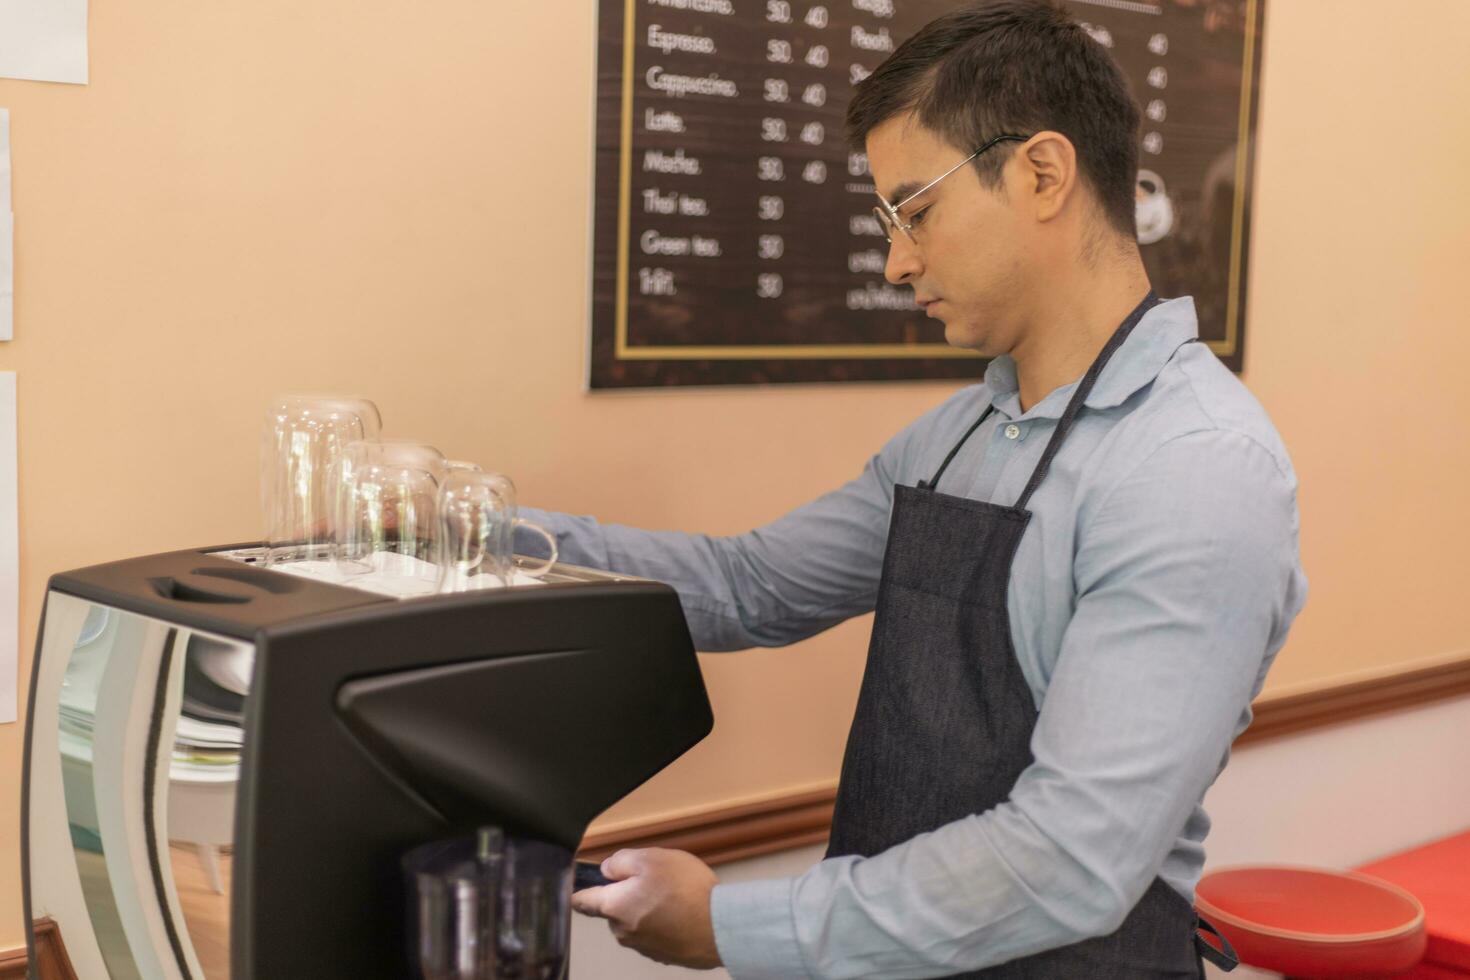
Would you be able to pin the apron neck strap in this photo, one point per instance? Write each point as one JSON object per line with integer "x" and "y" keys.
{"x": 1089, "y": 380}
{"x": 1068, "y": 416}
{"x": 931, "y": 484}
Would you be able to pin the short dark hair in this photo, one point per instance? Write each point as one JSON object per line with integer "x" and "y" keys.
{"x": 1012, "y": 66}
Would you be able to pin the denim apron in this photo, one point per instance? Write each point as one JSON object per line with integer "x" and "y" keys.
{"x": 944, "y": 717}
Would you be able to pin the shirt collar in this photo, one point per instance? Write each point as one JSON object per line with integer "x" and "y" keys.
{"x": 1143, "y": 355}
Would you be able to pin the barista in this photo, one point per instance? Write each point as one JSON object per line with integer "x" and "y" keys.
{"x": 1082, "y": 568}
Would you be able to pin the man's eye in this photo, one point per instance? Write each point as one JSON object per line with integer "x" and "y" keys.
{"x": 918, "y": 216}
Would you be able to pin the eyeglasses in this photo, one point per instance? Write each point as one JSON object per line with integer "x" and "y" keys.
{"x": 888, "y": 216}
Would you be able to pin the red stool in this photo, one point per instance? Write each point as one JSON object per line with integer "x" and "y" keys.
{"x": 1311, "y": 922}
{"x": 1439, "y": 876}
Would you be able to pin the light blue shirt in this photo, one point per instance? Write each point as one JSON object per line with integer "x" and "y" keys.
{"x": 1153, "y": 587}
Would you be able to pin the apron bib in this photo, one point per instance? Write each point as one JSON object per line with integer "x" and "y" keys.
{"x": 944, "y": 716}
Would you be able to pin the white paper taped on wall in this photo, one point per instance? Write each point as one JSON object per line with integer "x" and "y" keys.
{"x": 7, "y": 233}
{"x": 9, "y": 552}
{"x": 5, "y": 159}
{"x": 7, "y": 275}
{"x": 44, "y": 40}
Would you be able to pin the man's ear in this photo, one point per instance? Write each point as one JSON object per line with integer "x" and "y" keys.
{"x": 1049, "y": 172}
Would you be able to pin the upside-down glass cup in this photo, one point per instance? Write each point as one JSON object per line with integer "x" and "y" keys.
{"x": 304, "y": 437}
{"x": 388, "y": 517}
{"x": 477, "y": 522}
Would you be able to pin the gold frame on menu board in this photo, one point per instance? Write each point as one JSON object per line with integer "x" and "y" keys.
{"x": 623, "y": 351}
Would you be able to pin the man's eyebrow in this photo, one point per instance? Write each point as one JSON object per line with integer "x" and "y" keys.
{"x": 903, "y": 190}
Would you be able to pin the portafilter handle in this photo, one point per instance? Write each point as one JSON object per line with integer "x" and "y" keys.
{"x": 588, "y": 874}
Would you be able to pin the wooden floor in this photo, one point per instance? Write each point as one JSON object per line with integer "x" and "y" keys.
{"x": 206, "y": 912}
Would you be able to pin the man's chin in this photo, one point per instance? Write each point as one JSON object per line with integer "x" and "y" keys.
{"x": 963, "y": 335}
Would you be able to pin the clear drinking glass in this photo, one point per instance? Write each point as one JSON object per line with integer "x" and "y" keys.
{"x": 535, "y": 911}
{"x": 477, "y": 522}
{"x": 304, "y": 437}
{"x": 489, "y": 908}
{"x": 388, "y": 516}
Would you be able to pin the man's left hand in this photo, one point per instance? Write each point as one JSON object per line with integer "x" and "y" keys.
{"x": 658, "y": 904}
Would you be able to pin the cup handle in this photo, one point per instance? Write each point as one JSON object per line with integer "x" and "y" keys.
{"x": 535, "y": 571}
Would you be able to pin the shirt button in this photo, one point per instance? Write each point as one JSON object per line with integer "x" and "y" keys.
{"x": 1012, "y": 431}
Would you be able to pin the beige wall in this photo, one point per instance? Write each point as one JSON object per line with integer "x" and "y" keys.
{"x": 392, "y": 198}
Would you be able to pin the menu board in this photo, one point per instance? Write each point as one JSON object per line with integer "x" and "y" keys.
{"x": 734, "y": 240}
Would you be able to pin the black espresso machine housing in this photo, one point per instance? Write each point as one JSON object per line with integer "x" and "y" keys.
{"x": 199, "y": 699}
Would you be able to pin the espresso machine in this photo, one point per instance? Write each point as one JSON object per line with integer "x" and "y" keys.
{"x": 199, "y": 705}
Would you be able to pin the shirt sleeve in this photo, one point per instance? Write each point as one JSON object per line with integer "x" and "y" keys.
{"x": 780, "y": 583}
{"x": 1184, "y": 572}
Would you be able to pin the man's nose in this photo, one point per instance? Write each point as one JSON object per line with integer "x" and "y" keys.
{"x": 904, "y": 261}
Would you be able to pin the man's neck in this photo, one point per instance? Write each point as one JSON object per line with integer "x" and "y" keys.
{"x": 1072, "y": 323}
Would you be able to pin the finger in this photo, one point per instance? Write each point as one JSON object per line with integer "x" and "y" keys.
{"x": 605, "y": 901}
{"x": 591, "y": 901}
{"x": 624, "y": 864}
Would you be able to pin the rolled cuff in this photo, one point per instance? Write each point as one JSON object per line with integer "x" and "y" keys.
{"x": 755, "y": 930}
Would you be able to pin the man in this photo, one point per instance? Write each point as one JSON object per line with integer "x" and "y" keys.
{"x": 1082, "y": 568}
